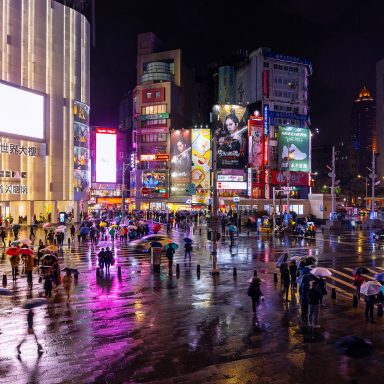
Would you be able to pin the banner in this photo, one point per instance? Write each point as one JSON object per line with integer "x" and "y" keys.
{"x": 297, "y": 179}
{"x": 201, "y": 159}
{"x": 181, "y": 161}
{"x": 256, "y": 144}
{"x": 294, "y": 144}
{"x": 232, "y": 136}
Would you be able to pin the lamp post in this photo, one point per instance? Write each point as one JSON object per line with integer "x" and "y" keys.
{"x": 125, "y": 166}
{"x": 289, "y": 159}
{"x": 215, "y": 204}
{"x": 366, "y": 188}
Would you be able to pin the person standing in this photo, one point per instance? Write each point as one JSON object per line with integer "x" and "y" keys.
{"x": 108, "y": 259}
{"x": 357, "y": 283}
{"x": 254, "y": 292}
{"x": 303, "y": 291}
{"x": 3, "y": 235}
{"x": 286, "y": 283}
{"x": 369, "y": 307}
{"x": 32, "y": 233}
{"x": 67, "y": 282}
{"x": 169, "y": 253}
{"x": 15, "y": 261}
{"x": 48, "y": 286}
{"x": 314, "y": 298}
{"x": 29, "y": 265}
{"x": 293, "y": 274}
{"x": 101, "y": 257}
{"x": 188, "y": 250}
{"x": 73, "y": 231}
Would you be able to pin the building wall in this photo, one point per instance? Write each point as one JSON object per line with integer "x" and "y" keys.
{"x": 380, "y": 116}
{"x": 44, "y": 47}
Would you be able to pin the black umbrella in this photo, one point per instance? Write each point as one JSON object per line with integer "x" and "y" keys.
{"x": 359, "y": 271}
{"x": 5, "y": 292}
{"x": 354, "y": 346}
{"x": 33, "y": 303}
{"x": 72, "y": 270}
{"x": 310, "y": 260}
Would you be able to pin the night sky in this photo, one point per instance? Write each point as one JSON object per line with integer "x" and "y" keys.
{"x": 342, "y": 38}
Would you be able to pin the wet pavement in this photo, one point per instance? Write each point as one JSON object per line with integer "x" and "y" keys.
{"x": 147, "y": 328}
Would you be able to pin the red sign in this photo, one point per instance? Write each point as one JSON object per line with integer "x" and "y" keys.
{"x": 155, "y": 157}
{"x": 298, "y": 179}
{"x": 145, "y": 191}
{"x": 255, "y": 146}
{"x": 111, "y": 131}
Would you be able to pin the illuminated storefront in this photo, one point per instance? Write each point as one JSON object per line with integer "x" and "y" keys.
{"x": 44, "y": 159}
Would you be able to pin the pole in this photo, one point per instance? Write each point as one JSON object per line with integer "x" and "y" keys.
{"x": 288, "y": 185}
{"x": 373, "y": 183}
{"x": 123, "y": 195}
{"x": 366, "y": 192}
{"x": 274, "y": 208}
{"x": 333, "y": 182}
{"x": 215, "y": 205}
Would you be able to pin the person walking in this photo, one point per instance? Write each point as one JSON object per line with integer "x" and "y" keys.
{"x": 303, "y": 291}
{"x": 293, "y": 274}
{"x": 314, "y": 298}
{"x": 48, "y": 286}
{"x": 254, "y": 292}
{"x": 285, "y": 275}
{"x": 369, "y": 307}
{"x": 67, "y": 282}
{"x": 29, "y": 265}
{"x": 32, "y": 235}
{"x": 30, "y": 331}
{"x": 169, "y": 253}
{"x": 72, "y": 231}
{"x": 15, "y": 261}
{"x": 112, "y": 234}
{"x": 108, "y": 259}
{"x": 357, "y": 283}
{"x": 3, "y": 235}
{"x": 101, "y": 257}
{"x": 188, "y": 250}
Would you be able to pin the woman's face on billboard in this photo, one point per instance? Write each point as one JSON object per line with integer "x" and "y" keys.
{"x": 231, "y": 125}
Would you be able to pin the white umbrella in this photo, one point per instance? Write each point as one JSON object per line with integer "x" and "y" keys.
{"x": 26, "y": 241}
{"x": 321, "y": 272}
{"x": 46, "y": 225}
{"x": 57, "y": 230}
{"x": 296, "y": 259}
{"x": 62, "y": 227}
{"x": 370, "y": 288}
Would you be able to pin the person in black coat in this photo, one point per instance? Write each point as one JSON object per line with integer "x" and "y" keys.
{"x": 254, "y": 292}
{"x": 369, "y": 306}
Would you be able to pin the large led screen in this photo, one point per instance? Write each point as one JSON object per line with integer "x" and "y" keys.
{"x": 21, "y": 112}
{"x": 105, "y": 155}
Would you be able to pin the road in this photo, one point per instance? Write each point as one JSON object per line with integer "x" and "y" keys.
{"x": 146, "y": 328}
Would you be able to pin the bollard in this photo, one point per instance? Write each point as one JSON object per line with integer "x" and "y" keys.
{"x": 4, "y": 280}
{"x": 198, "y": 270}
{"x": 119, "y": 271}
{"x": 355, "y": 301}
{"x": 234, "y": 272}
{"x": 97, "y": 272}
{"x": 333, "y": 294}
{"x": 200, "y": 231}
{"x": 248, "y": 233}
{"x": 177, "y": 270}
{"x": 275, "y": 280}
{"x": 255, "y": 273}
{"x": 380, "y": 310}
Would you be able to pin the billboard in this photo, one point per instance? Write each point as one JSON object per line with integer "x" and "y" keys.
{"x": 256, "y": 142}
{"x": 201, "y": 159}
{"x": 181, "y": 161}
{"x": 240, "y": 185}
{"x": 294, "y": 142}
{"x": 105, "y": 155}
{"x": 296, "y": 178}
{"x": 21, "y": 112}
{"x": 232, "y": 136}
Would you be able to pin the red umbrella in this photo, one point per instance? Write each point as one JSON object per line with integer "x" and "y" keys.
{"x": 12, "y": 251}
{"x": 156, "y": 228}
{"x": 26, "y": 251}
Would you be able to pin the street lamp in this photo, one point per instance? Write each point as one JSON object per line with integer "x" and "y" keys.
{"x": 366, "y": 188}
{"x": 125, "y": 166}
{"x": 289, "y": 159}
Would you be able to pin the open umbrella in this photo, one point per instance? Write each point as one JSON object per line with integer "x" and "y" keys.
{"x": 304, "y": 271}
{"x": 103, "y": 224}
{"x": 311, "y": 260}
{"x": 25, "y": 241}
{"x": 321, "y": 272}
{"x": 296, "y": 259}
{"x": 46, "y": 225}
{"x": 33, "y": 303}
{"x": 72, "y": 270}
{"x": 282, "y": 259}
{"x": 26, "y": 251}
{"x": 52, "y": 248}
{"x": 187, "y": 240}
{"x": 16, "y": 226}
{"x": 12, "y": 251}
{"x": 172, "y": 245}
{"x": 156, "y": 228}
{"x": 380, "y": 277}
{"x": 57, "y": 230}
{"x": 370, "y": 288}
{"x": 5, "y": 292}
{"x": 15, "y": 243}
{"x": 84, "y": 231}
{"x": 306, "y": 278}
{"x": 359, "y": 271}
{"x": 132, "y": 227}
{"x": 156, "y": 244}
{"x": 354, "y": 346}
{"x": 62, "y": 227}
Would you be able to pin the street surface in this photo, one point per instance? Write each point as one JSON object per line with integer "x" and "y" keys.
{"x": 146, "y": 328}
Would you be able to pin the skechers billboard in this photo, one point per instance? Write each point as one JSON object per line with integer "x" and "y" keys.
{"x": 232, "y": 136}
{"x": 294, "y": 143}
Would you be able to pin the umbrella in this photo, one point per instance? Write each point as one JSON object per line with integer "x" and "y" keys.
{"x": 282, "y": 259}
{"x": 57, "y": 230}
{"x": 380, "y": 277}
{"x": 5, "y": 292}
{"x": 232, "y": 228}
{"x": 306, "y": 278}
{"x": 359, "y": 271}
{"x": 25, "y": 241}
{"x": 73, "y": 270}
{"x": 132, "y": 227}
{"x": 370, "y": 288}
{"x": 84, "y": 231}
{"x": 48, "y": 256}
{"x": 321, "y": 272}
{"x": 155, "y": 244}
{"x": 26, "y": 251}
{"x": 296, "y": 259}
{"x": 62, "y": 227}
{"x": 114, "y": 226}
{"x": 305, "y": 270}
{"x": 311, "y": 260}
{"x": 52, "y": 248}
{"x": 187, "y": 240}
{"x": 16, "y": 226}
{"x": 33, "y": 303}
{"x": 172, "y": 245}
{"x": 46, "y": 225}
{"x": 12, "y": 251}
{"x": 156, "y": 227}
{"x": 103, "y": 224}
{"x": 354, "y": 346}
{"x": 15, "y": 243}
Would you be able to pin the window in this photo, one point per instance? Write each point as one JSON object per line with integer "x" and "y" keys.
{"x": 157, "y": 95}
{"x": 149, "y": 95}
{"x": 153, "y": 137}
{"x": 151, "y": 123}
{"x": 154, "y": 109}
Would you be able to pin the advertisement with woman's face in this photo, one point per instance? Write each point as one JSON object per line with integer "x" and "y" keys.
{"x": 232, "y": 138}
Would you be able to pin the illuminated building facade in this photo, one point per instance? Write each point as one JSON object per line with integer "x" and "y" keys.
{"x": 45, "y": 58}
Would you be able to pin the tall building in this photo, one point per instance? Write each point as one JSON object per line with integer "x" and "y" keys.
{"x": 161, "y": 122}
{"x": 363, "y": 131}
{"x": 45, "y": 95}
{"x": 380, "y": 116}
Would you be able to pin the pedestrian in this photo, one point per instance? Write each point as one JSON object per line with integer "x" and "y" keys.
{"x": 30, "y": 331}
{"x": 303, "y": 291}
{"x": 32, "y": 233}
{"x": 169, "y": 253}
{"x": 101, "y": 257}
{"x": 322, "y": 287}
{"x": 29, "y": 265}
{"x": 48, "y": 286}
{"x": 286, "y": 283}
{"x": 16, "y": 231}
{"x": 293, "y": 274}
{"x": 67, "y": 282}
{"x": 369, "y": 307}
{"x": 109, "y": 260}
{"x": 78, "y": 234}
{"x": 357, "y": 283}
{"x": 73, "y": 231}
{"x": 314, "y": 298}
{"x": 168, "y": 226}
{"x": 3, "y": 235}
{"x": 112, "y": 234}
{"x": 15, "y": 261}
{"x": 188, "y": 250}
{"x": 121, "y": 234}
{"x": 254, "y": 292}
{"x": 283, "y": 266}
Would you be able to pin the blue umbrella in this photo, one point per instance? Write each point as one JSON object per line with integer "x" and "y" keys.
{"x": 84, "y": 231}
{"x": 5, "y": 292}
{"x": 187, "y": 240}
{"x": 172, "y": 245}
{"x": 155, "y": 244}
{"x": 305, "y": 270}
{"x": 306, "y": 278}
{"x": 380, "y": 277}
{"x": 33, "y": 303}
{"x": 281, "y": 260}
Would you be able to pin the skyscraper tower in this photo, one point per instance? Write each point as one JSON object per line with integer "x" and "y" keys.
{"x": 363, "y": 130}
